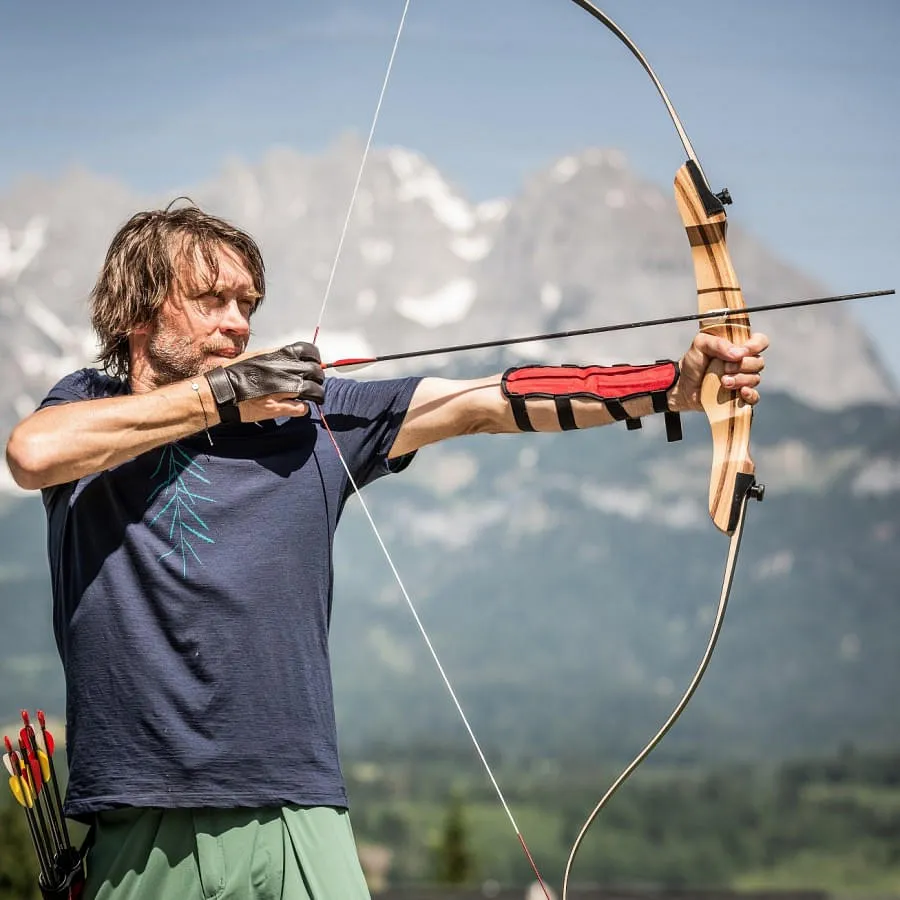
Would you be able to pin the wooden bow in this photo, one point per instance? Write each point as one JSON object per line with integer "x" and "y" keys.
{"x": 732, "y": 478}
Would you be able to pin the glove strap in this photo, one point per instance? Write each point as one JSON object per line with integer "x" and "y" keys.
{"x": 223, "y": 393}
{"x": 611, "y": 385}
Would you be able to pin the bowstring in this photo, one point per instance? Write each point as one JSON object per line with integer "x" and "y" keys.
{"x": 356, "y": 490}
{"x": 362, "y": 166}
{"x": 719, "y": 619}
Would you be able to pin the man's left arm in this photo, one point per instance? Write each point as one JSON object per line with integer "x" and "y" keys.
{"x": 441, "y": 408}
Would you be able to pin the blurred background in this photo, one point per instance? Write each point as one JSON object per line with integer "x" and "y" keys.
{"x": 520, "y": 181}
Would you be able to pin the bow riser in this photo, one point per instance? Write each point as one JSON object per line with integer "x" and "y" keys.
{"x": 729, "y": 417}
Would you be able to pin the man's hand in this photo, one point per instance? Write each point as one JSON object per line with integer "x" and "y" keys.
{"x": 269, "y": 385}
{"x": 742, "y": 367}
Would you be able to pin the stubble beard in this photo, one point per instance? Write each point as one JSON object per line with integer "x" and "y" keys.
{"x": 174, "y": 358}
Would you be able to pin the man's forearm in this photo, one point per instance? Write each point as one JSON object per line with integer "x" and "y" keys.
{"x": 443, "y": 408}
{"x": 65, "y": 442}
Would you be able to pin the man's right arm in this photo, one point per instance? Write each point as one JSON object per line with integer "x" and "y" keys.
{"x": 67, "y": 441}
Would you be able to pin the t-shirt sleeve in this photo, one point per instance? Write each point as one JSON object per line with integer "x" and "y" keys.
{"x": 365, "y": 418}
{"x": 85, "y": 384}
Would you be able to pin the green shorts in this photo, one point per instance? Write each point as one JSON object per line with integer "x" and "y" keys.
{"x": 293, "y": 853}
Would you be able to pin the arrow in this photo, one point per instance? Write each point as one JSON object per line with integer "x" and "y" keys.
{"x": 48, "y": 745}
{"x": 713, "y": 317}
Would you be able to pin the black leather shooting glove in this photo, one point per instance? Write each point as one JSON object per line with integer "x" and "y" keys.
{"x": 295, "y": 369}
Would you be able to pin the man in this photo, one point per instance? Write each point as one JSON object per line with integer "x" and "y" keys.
{"x": 192, "y": 494}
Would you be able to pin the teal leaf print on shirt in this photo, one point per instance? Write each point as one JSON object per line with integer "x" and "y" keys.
{"x": 181, "y": 476}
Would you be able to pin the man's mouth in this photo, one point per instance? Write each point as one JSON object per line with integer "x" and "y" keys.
{"x": 227, "y": 352}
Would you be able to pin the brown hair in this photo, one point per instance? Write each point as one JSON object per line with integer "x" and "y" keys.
{"x": 141, "y": 269}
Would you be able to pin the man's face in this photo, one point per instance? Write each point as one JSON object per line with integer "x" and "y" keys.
{"x": 202, "y": 324}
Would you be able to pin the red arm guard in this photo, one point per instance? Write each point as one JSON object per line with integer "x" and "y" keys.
{"x": 610, "y": 385}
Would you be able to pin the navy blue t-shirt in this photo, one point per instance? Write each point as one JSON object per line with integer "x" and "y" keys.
{"x": 192, "y": 591}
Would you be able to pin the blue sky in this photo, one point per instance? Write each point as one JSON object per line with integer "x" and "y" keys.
{"x": 791, "y": 103}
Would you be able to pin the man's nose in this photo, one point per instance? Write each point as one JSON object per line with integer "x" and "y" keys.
{"x": 234, "y": 320}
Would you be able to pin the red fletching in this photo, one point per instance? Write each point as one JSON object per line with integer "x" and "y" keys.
{"x": 351, "y": 362}
{"x": 26, "y": 738}
{"x": 48, "y": 737}
{"x": 30, "y": 758}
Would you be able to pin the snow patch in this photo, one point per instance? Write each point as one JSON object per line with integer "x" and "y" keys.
{"x": 492, "y": 210}
{"x": 421, "y": 181}
{"x": 529, "y": 350}
{"x": 246, "y": 190}
{"x": 365, "y": 207}
{"x": 24, "y": 405}
{"x": 664, "y": 687}
{"x": 376, "y": 252}
{"x": 528, "y": 458}
{"x": 471, "y": 249}
{"x": 880, "y": 476}
{"x": 30, "y": 363}
{"x": 801, "y": 468}
{"x": 390, "y": 651}
{"x": 653, "y": 199}
{"x": 366, "y": 301}
{"x": 565, "y": 169}
{"x": 45, "y": 367}
{"x": 849, "y": 648}
{"x": 332, "y": 345}
{"x": 616, "y": 198}
{"x": 450, "y": 472}
{"x": 640, "y": 505}
{"x": 448, "y": 304}
{"x": 776, "y": 565}
{"x": 551, "y": 296}
{"x": 7, "y": 485}
{"x": 297, "y": 208}
{"x": 16, "y": 255}
{"x": 48, "y": 323}
{"x": 455, "y": 528}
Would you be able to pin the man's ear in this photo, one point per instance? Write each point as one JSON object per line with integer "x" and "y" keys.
{"x": 142, "y": 329}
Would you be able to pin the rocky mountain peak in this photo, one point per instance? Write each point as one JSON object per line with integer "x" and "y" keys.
{"x": 585, "y": 242}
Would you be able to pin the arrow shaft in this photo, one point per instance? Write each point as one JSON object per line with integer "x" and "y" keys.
{"x": 604, "y": 329}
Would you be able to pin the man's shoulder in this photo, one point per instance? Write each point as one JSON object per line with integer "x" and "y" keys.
{"x": 346, "y": 394}
{"x": 85, "y": 384}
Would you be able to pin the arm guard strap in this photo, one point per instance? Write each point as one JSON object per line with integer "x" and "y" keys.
{"x": 611, "y": 385}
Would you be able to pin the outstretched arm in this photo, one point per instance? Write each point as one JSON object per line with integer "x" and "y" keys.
{"x": 442, "y": 408}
